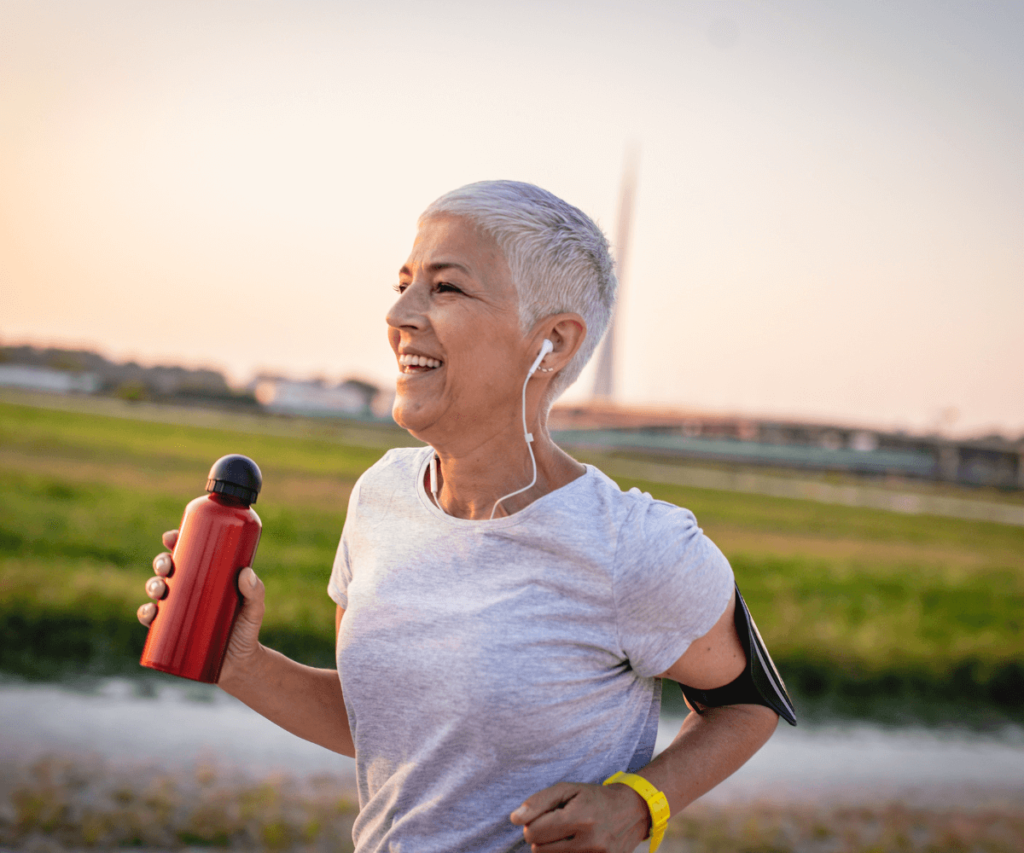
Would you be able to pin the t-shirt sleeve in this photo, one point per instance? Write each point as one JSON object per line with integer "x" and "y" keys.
{"x": 672, "y": 585}
{"x": 341, "y": 573}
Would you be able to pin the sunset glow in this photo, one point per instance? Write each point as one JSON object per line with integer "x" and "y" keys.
{"x": 829, "y": 220}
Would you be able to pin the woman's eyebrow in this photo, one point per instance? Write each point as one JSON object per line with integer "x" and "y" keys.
{"x": 440, "y": 266}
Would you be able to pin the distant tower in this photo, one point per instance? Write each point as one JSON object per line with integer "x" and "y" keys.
{"x": 604, "y": 381}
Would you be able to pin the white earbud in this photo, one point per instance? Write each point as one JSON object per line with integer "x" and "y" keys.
{"x": 545, "y": 348}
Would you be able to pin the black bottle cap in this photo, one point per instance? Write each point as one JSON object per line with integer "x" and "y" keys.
{"x": 237, "y": 476}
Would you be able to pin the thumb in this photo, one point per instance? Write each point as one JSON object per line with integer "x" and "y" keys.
{"x": 250, "y": 586}
{"x": 542, "y": 802}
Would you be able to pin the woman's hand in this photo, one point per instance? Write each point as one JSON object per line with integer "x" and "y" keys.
{"x": 573, "y": 816}
{"x": 244, "y": 643}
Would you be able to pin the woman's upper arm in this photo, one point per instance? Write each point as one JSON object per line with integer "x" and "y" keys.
{"x": 337, "y": 620}
{"x": 714, "y": 659}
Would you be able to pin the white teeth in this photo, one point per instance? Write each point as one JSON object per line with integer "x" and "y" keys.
{"x": 418, "y": 361}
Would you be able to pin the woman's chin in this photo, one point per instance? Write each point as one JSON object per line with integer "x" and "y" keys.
{"x": 410, "y": 417}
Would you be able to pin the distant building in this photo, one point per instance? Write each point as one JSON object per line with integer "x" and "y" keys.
{"x": 47, "y": 379}
{"x": 729, "y": 439}
{"x": 287, "y": 396}
{"x": 129, "y": 379}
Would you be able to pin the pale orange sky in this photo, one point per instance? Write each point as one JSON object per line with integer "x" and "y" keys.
{"x": 829, "y": 221}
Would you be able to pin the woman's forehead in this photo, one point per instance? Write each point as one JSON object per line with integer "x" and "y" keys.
{"x": 448, "y": 241}
{"x": 455, "y": 233}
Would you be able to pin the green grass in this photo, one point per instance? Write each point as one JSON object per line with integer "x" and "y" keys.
{"x": 866, "y": 612}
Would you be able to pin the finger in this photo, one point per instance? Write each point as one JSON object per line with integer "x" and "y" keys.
{"x": 163, "y": 565}
{"x": 156, "y": 588}
{"x": 551, "y": 840}
{"x": 249, "y": 585}
{"x": 557, "y": 825}
{"x": 572, "y": 844}
{"x": 170, "y": 539}
{"x": 147, "y": 613}
{"x": 544, "y": 801}
{"x": 250, "y": 617}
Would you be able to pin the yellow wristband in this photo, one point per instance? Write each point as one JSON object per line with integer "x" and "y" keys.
{"x": 656, "y": 801}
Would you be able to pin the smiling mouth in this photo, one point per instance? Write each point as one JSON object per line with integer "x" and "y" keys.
{"x": 417, "y": 363}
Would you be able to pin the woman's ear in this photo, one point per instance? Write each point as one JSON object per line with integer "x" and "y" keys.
{"x": 566, "y": 333}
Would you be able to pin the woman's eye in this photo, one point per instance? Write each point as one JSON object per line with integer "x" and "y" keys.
{"x": 445, "y": 287}
{"x": 399, "y": 288}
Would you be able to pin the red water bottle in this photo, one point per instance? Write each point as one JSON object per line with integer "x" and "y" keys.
{"x": 217, "y": 539}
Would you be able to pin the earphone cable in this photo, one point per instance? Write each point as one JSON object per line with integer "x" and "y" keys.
{"x": 529, "y": 443}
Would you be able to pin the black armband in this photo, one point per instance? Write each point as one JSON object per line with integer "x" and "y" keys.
{"x": 758, "y": 684}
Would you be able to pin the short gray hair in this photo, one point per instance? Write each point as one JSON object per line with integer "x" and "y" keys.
{"x": 558, "y": 257}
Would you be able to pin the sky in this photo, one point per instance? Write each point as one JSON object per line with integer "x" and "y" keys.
{"x": 829, "y": 211}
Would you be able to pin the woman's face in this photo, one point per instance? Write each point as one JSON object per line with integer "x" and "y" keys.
{"x": 462, "y": 359}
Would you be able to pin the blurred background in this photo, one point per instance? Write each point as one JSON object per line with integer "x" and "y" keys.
{"x": 829, "y": 196}
{"x": 819, "y": 210}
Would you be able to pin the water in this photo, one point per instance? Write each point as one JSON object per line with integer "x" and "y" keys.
{"x": 174, "y": 725}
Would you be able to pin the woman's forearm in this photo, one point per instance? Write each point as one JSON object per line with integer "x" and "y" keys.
{"x": 300, "y": 699}
{"x": 709, "y": 748}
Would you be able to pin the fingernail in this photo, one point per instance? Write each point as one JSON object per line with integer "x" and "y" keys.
{"x": 252, "y": 579}
{"x": 162, "y": 563}
{"x": 154, "y": 586}
{"x": 518, "y": 813}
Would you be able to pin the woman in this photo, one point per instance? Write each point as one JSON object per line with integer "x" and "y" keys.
{"x": 505, "y": 613}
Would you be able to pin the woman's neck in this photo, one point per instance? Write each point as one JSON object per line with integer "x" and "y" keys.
{"x": 470, "y": 482}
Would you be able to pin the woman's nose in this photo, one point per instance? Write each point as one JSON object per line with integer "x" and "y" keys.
{"x": 409, "y": 310}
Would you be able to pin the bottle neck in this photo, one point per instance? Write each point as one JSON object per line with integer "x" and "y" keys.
{"x": 227, "y": 500}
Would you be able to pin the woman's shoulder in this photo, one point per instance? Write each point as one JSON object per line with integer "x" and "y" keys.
{"x": 396, "y": 467}
{"x": 633, "y": 506}
{"x": 396, "y": 461}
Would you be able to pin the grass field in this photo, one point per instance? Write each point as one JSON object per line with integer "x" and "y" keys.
{"x": 867, "y": 613}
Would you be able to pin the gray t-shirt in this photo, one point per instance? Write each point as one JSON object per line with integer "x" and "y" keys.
{"x": 482, "y": 661}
